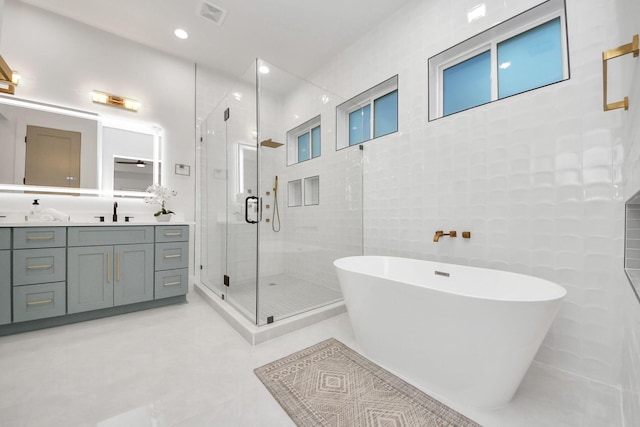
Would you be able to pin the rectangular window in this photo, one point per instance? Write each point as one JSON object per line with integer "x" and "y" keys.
{"x": 526, "y": 52}
{"x": 315, "y": 142}
{"x": 372, "y": 114}
{"x": 303, "y": 147}
{"x": 303, "y": 142}
{"x": 530, "y": 60}
{"x": 385, "y": 118}
{"x": 467, "y": 84}
{"x": 360, "y": 125}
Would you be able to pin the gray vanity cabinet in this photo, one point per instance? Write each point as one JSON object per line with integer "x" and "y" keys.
{"x": 103, "y": 276}
{"x": 5, "y": 276}
{"x": 172, "y": 260}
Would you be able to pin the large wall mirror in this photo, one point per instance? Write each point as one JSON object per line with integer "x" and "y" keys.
{"x": 51, "y": 149}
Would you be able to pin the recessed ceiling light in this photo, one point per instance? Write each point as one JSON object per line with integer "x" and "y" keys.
{"x": 181, "y": 34}
{"x": 263, "y": 69}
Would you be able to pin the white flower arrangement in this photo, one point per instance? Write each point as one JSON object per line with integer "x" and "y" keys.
{"x": 159, "y": 195}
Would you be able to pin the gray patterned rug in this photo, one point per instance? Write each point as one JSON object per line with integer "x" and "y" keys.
{"x": 329, "y": 384}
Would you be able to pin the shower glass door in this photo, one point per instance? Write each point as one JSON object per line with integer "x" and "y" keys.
{"x": 243, "y": 202}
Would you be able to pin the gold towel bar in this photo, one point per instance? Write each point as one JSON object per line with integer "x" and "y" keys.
{"x": 614, "y": 53}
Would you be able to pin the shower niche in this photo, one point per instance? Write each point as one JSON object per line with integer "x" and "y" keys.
{"x": 268, "y": 273}
{"x": 632, "y": 243}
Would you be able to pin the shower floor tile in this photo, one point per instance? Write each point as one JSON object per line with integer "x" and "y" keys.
{"x": 280, "y": 296}
{"x": 183, "y": 365}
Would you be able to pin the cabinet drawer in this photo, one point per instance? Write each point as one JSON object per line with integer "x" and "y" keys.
{"x": 172, "y": 255}
{"x": 38, "y": 301}
{"x": 168, "y": 233}
{"x": 32, "y": 266}
{"x": 5, "y": 287}
{"x": 5, "y": 238}
{"x": 170, "y": 283}
{"x": 107, "y": 235}
{"x": 39, "y": 237}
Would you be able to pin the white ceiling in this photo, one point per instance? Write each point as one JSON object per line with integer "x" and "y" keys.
{"x": 296, "y": 35}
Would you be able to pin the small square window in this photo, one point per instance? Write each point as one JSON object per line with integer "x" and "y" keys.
{"x": 304, "y": 142}
{"x": 372, "y": 114}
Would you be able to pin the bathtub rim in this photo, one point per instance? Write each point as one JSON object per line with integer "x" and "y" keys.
{"x": 552, "y": 292}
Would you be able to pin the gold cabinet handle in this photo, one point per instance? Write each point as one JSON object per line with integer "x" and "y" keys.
{"x": 173, "y": 233}
{"x": 39, "y": 237}
{"x": 39, "y": 267}
{"x": 44, "y": 301}
{"x": 108, "y": 267}
{"x": 173, "y": 256}
{"x": 171, "y": 283}
{"x": 118, "y": 266}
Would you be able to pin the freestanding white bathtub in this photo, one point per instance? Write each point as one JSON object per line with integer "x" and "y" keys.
{"x": 465, "y": 334}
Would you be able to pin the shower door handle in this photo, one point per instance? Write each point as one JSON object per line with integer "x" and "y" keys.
{"x": 252, "y": 205}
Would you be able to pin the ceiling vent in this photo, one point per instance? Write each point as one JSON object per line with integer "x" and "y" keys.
{"x": 212, "y": 12}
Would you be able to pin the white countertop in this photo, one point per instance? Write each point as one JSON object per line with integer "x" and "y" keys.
{"x": 88, "y": 224}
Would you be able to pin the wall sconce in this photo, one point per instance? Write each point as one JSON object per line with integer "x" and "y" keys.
{"x": 8, "y": 79}
{"x": 113, "y": 100}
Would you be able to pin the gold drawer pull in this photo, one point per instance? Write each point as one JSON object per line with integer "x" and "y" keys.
{"x": 172, "y": 283}
{"x": 173, "y": 256}
{"x": 44, "y": 301}
{"x": 173, "y": 233}
{"x": 39, "y": 267}
{"x": 39, "y": 237}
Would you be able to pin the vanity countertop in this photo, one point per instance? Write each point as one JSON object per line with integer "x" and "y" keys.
{"x": 88, "y": 224}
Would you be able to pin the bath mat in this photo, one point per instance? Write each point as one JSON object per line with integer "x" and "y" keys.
{"x": 329, "y": 384}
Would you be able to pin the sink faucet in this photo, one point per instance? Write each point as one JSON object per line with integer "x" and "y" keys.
{"x": 441, "y": 233}
{"x": 115, "y": 211}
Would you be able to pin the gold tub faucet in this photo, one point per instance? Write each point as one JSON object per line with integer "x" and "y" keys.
{"x": 441, "y": 233}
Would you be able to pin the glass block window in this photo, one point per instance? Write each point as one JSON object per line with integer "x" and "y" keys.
{"x": 304, "y": 142}
{"x": 526, "y": 52}
{"x": 372, "y": 114}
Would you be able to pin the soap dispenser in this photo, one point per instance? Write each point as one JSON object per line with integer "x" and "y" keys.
{"x": 35, "y": 207}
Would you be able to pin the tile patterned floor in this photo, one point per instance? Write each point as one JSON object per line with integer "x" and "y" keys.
{"x": 184, "y": 366}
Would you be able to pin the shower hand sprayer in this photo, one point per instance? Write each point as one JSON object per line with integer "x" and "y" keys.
{"x": 276, "y": 210}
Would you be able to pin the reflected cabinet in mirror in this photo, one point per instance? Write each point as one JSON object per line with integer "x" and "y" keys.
{"x": 57, "y": 148}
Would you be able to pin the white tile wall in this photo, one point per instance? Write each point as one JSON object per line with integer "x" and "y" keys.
{"x": 627, "y": 154}
{"x": 536, "y": 178}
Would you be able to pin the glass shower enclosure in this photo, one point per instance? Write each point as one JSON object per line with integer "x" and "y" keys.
{"x": 276, "y": 208}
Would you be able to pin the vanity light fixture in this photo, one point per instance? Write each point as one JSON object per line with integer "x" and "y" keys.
{"x": 116, "y": 101}
{"x": 8, "y": 79}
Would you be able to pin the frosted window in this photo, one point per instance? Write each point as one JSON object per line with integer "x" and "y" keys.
{"x": 315, "y": 142}
{"x": 303, "y": 147}
{"x": 530, "y": 60}
{"x": 467, "y": 84}
{"x": 360, "y": 125}
{"x": 385, "y": 119}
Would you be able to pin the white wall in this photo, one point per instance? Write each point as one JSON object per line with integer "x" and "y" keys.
{"x": 536, "y": 178}
{"x": 61, "y": 61}
{"x": 627, "y": 13}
